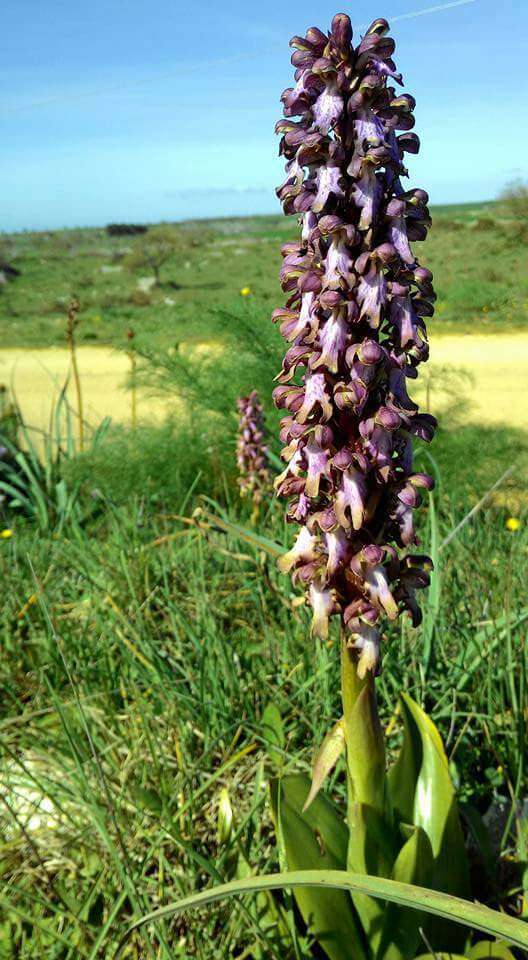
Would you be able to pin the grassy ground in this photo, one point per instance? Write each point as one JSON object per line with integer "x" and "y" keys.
{"x": 139, "y": 656}
{"x": 480, "y": 272}
{"x": 141, "y": 646}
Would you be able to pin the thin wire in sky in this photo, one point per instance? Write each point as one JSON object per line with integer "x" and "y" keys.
{"x": 204, "y": 64}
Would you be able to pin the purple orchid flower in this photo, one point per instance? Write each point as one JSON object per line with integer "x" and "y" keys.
{"x": 354, "y": 322}
{"x": 252, "y": 453}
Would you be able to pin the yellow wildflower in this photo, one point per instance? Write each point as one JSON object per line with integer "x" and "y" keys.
{"x": 245, "y": 291}
{"x": 513, "y": 524}
{"x": 5, "y": 534}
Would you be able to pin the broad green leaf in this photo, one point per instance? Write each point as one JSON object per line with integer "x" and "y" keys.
{"x": 326, "y": 758}
{"x": 273, "y": 729}
{"x": 472, "y": 915}
{"x": 423, "y": 794}
{"x": 487, "y": 949}
{"x": 317, "y": 840}
{"x": 414, "y": 864}
{"x": 403, "y": 774}
{"x": 372, "y": 849}
{"x": 435, "y": 803}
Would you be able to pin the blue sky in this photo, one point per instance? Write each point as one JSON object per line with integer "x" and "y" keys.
{"x": 135, "y": 111}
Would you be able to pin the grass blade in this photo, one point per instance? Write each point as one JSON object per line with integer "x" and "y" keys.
{"x": 470, "y": 914}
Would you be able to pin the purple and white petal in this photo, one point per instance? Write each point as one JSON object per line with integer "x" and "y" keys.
{"x": 351, "y": 499}
{"x": 315, "y": 395}
{"x": 323, "y": 604}
{"x": 367, "y": 192}
{"x": 332, "y": 343}
{"x": 329, "y": 182}
{"x": 327, "y": 108}
{"x": 303, "y": 551}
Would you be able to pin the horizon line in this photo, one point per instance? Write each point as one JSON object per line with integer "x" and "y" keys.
{"x": 205, "y": 219}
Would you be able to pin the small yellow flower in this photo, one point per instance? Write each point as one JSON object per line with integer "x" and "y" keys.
{"x": 245, "y": 292}
{"x": 513, "y": 524}
{"x": 5, "y": 534}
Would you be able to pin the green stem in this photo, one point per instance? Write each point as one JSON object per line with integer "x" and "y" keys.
{"x": 369, "y": 823}
{"x": 364, "y": 738}
{"x": 78, "y": 391}
{"x": 133, "y": 365}
{"x": 73, "y": 310}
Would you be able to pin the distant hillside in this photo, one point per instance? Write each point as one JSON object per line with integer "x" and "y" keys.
{"x": 478, "y": 260}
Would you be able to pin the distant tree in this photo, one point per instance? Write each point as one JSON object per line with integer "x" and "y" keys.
{"x": 153, "y": 249}
{"x": 160, "y": 244}
{"x": 514, "y": 201}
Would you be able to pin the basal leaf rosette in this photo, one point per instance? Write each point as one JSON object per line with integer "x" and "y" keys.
{"x": 252, "y": 453}
{"x": 354, "y": 322}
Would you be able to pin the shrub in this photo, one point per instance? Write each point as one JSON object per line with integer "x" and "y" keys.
{"x": 514, "y": 202}
{"x": 125, "y": 229}
{"x": 139, "y": 298}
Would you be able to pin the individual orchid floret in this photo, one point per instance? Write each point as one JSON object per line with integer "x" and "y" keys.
{"x": 354, "y": 322}
{"x": 252, "y": 453}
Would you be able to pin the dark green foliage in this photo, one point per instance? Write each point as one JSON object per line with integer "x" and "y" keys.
{"x": 125, "y": 229}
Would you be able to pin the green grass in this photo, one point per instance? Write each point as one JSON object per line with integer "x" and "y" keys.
{"x": 134, "y": 687}
{"x": 140, "y": 650}
{"x": 477, "y": 262}
{"x": 141, "y": 645}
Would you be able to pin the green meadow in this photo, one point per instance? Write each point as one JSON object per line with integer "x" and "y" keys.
{"x": 474, "y": 252}
{"x": 146, "y": 631}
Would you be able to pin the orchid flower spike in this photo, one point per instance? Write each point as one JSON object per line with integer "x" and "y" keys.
{"x": 355, "y": 331}
{"x": 252, "y": 452}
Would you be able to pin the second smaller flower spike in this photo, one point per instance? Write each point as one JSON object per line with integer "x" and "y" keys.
{"x": 252, "y": 453}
